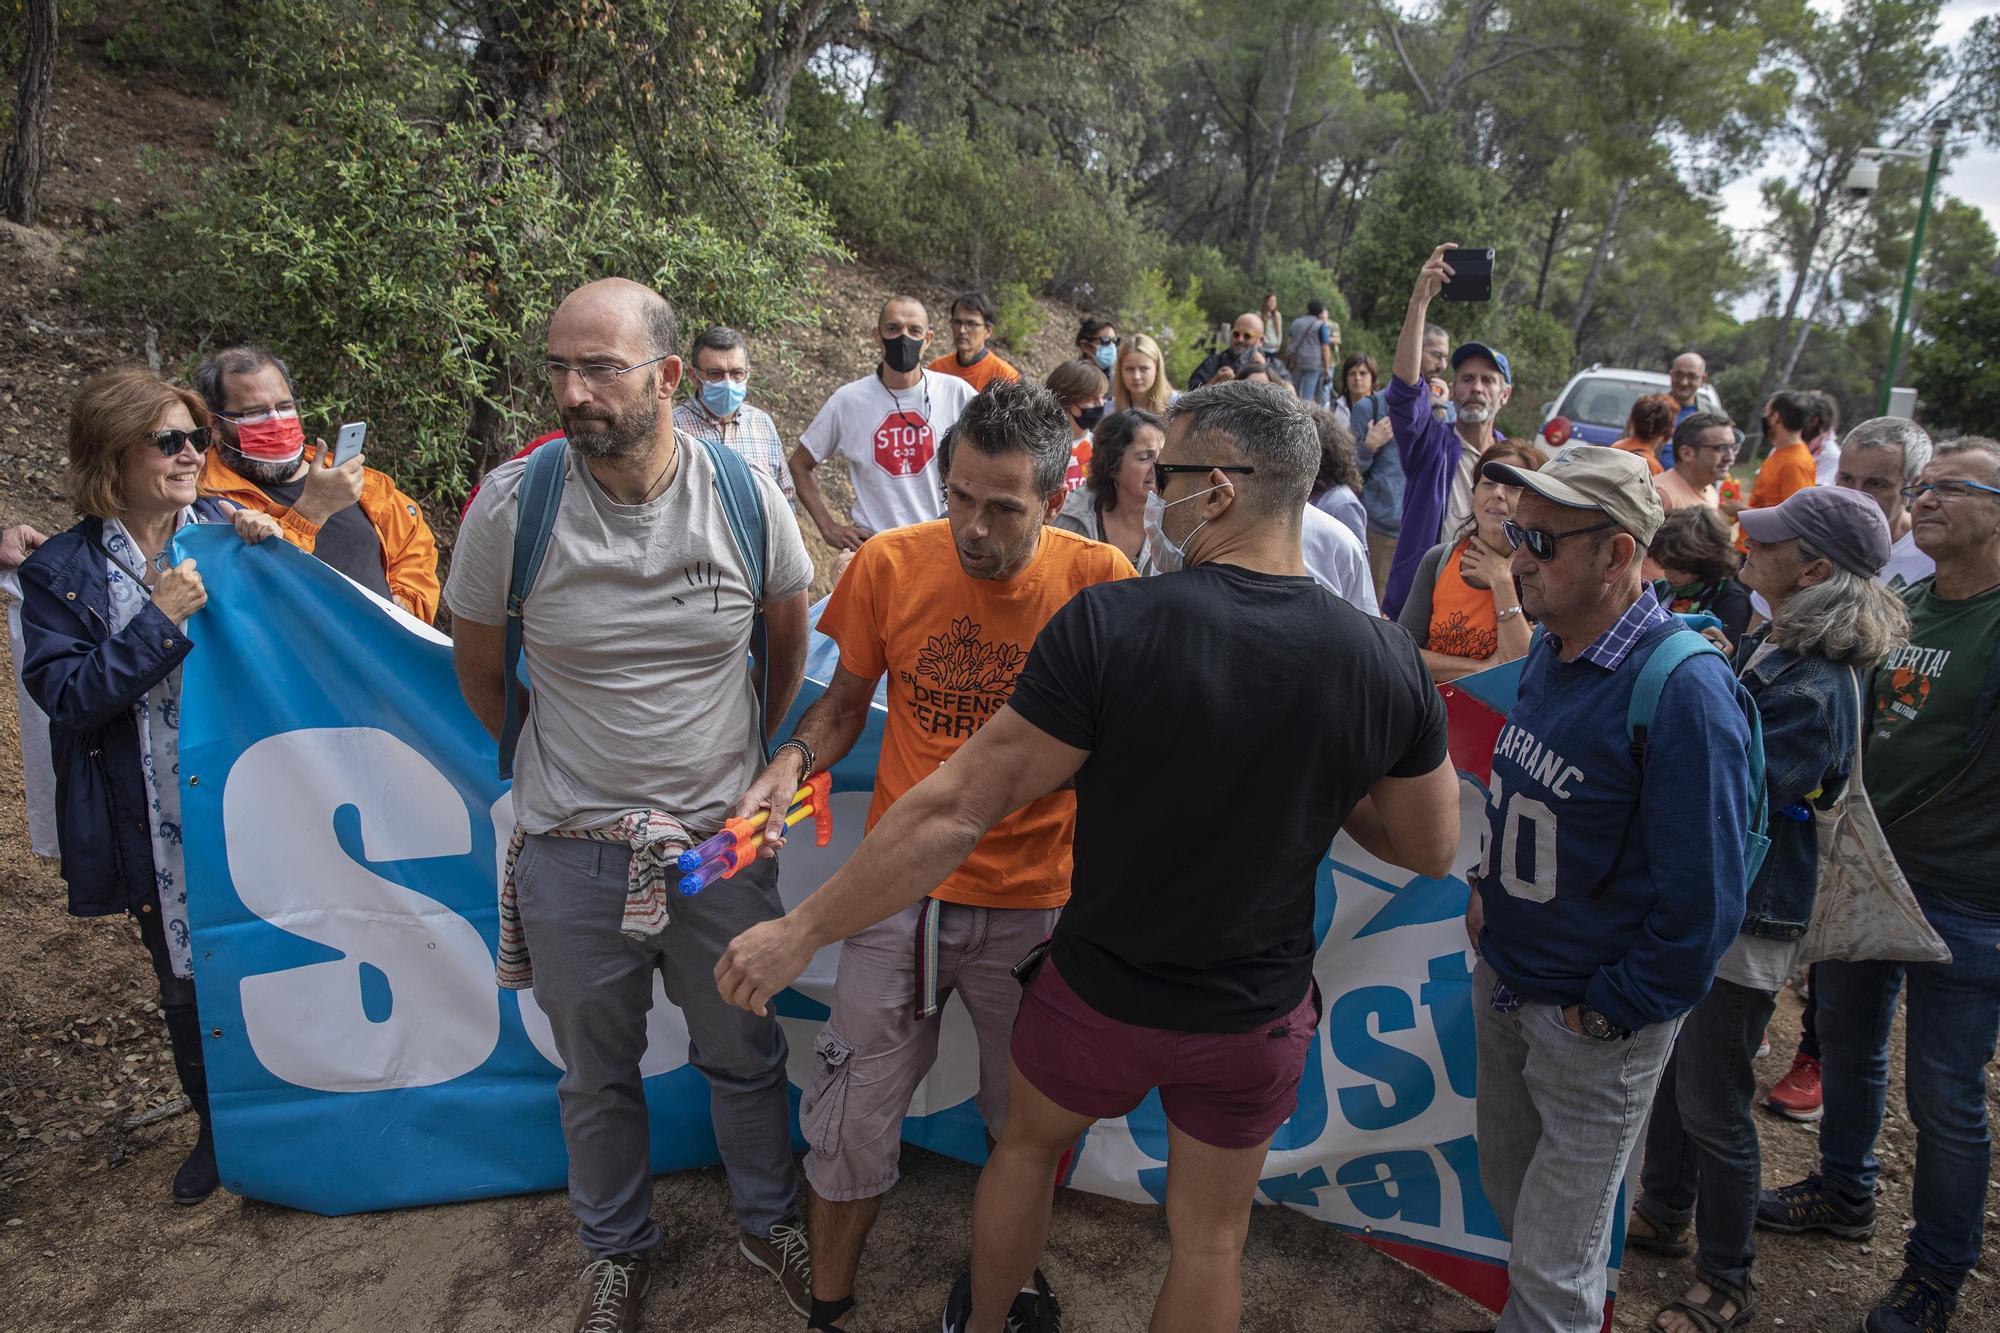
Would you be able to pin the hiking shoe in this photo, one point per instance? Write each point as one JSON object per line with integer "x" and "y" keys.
{"x": 617, "y": 1289}
{"x": 1035, "y": 1309}
{"x": 1920, "y": 1302}
{"x": 197, "y": 1177}
{"x": 1814, "y": 1205}
{"x": 785, "y": 1255}
{"x": 1796, "y": 1096}
{"x": 958, "y": 1305}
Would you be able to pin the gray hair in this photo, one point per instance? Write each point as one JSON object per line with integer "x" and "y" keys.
{"x": 1436, "y": 331}
{"x": 247, "y": 359}
{"x": 1847, "y": 619}
{"x": 1269, "y": 428}
{"x": 716, "y": 338}
{"x": 1014, "y": 416}
{"x": 663, "y": 328}
{"x": 1899, "y": 433}
{"x": 1973, "y": 444}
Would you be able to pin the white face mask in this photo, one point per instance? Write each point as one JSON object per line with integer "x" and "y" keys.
{"x": 1167, "y": 556}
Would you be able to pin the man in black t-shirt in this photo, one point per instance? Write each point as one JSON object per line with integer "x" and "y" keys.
{"x": 1274, "y": 714}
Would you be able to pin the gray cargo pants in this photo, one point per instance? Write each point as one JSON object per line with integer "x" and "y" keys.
{"x": 596, "y": 984}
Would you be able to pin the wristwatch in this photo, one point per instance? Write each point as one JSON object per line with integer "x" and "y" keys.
{"x": 1598, "y": 1027}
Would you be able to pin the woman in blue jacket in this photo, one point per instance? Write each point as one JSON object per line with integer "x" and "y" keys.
{"x": 1815, "y": 558}
{"x": 102, "y": 621}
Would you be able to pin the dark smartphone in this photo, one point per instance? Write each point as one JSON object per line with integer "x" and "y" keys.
{"x": 1471, "y": 276}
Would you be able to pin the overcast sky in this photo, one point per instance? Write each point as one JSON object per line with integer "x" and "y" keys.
{"x": 1974, "y": 177}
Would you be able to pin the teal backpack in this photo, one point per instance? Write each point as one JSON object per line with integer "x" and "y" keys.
{"x": 1675, "y": 649}
{"x": 536, "y": 504}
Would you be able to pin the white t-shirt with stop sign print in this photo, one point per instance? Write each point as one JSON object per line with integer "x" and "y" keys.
{"x": 890, "y": 439}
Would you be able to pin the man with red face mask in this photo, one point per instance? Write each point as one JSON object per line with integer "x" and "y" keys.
{"x": 352, "y": 517}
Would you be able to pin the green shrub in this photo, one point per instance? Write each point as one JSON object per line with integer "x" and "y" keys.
{"x": 1017, "y": 316}
{"x": 1297, "y": 280}
{"x": 1540, "y": 353}
{"x": 1174, "y": 319}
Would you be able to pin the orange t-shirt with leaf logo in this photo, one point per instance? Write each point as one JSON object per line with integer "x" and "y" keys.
{"x": 952, "y": 647}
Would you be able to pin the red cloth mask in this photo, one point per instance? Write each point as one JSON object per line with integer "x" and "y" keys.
{"x": 276, "y": 439}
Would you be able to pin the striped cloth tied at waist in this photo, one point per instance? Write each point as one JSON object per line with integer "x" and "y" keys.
{"x": 657, "y": 840}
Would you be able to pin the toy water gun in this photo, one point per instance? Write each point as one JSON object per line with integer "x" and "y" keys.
{"x": 1731, "y": 490}
{"x": 736, "y": 846}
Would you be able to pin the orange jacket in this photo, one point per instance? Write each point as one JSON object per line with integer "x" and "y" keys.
{"x": 409, "y": 551}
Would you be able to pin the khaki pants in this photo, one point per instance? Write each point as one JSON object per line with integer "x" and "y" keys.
{"x": 1381, "y": 550}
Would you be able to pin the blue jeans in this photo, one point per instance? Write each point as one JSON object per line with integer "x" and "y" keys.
{"x": 1953, "y": 1017}
{"x": 1701, "y": 1144}
{"x": 1315, "y": 386}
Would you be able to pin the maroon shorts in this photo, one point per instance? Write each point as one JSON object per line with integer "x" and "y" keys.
{"x": 1227, "y": 1089}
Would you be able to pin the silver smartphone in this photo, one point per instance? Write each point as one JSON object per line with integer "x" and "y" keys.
{"x": 348, "y": 443}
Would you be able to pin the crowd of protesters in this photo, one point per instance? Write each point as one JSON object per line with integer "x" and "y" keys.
{"x": 1701, "y": 676}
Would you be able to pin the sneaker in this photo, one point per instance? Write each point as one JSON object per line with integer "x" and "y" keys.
{"x": 785, "y": 1255}
{"x": 617, "y": 1290}
{"x": 958, "y": 1305}
{"x": 1920, "y": 1302}
{"x": 1764, "y": 1044}
{"x": 1813, "y": 1205}
{"x": 1035, "y": 1309}
{"x": 1796, "y": 1096}
{"x": 197, "y": 1177}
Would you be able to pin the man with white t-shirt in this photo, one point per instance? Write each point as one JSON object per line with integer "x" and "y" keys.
{"x": 1337, "y": 560}
{"x": 887, "y": 426}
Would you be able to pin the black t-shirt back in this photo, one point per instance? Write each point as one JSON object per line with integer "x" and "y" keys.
{"x": 1233, "y": 720}
{"x": 347, "y": 540}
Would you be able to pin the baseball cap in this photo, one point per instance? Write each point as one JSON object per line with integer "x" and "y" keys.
{"x": 1846, "y": 526}
{"x": 1481, "y": 349}
{"x": 1591, "y": 476}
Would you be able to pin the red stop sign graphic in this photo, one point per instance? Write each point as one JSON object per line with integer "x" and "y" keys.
{"x": 904, "y": 444}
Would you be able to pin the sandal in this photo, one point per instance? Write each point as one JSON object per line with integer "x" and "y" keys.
{"x": 1671, "y": 1242}
{"x": 1707, "y": 1315}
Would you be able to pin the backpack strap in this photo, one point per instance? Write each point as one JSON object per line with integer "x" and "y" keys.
{"x": 535, "y": 506}
{"x": 743, "y": 507}
{"x": 1675, "y": 649}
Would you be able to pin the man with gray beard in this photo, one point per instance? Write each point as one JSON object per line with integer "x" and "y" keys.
{"x": 641, "y": 731}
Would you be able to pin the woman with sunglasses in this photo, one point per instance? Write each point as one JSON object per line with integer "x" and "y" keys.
{"x": 103, "y": 619}
{"x": 1464, "y": 610}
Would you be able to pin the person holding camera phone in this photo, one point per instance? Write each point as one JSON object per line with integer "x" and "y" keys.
{"x": 349, "y": 515}
{"x": 1438, "y": 457}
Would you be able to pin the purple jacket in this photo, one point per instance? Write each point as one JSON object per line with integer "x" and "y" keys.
{"x": 1429, "y": 450}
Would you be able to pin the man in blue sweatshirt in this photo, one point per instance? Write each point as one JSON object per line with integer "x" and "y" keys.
{"x": 1610, "y": 886}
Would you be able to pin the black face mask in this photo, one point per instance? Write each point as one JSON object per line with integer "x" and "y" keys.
{"x": 902, "y": 354}
{"x": 1090, "y": 416}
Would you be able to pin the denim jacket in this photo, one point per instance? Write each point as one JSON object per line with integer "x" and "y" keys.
{"x": 1807, "y": 705}
{"x": 1382, "y": 491}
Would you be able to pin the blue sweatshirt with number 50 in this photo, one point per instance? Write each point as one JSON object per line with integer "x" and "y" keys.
{"x": 1605, "y": 885}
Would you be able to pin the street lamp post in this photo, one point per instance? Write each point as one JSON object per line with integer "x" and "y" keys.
{"x": 1938, "y": 129}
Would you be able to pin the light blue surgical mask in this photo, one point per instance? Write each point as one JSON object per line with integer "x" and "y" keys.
{"x": 724, "y": 398}
{"x": 1167, "y": 556}
{"x": 1107, "y": 356}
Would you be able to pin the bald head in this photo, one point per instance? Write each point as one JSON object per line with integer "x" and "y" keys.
{"x": 616, "y": 317}
{"x": 1687, "y": 374}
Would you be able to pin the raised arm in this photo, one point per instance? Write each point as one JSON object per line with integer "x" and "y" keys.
{"x": 923, "y": 838}
{"x": 1409, "y": 364}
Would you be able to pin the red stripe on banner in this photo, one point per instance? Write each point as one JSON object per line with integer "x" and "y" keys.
{"x": 1475, "y": 729}
{"x": 1476, "y": 1279}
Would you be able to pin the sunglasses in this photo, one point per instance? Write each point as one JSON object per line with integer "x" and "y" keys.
{"x": 1103, "y": 342}
{"x": 171, "y": 442}
{"x": 1541, "y": 544}
{"x": 1161, "y": 471}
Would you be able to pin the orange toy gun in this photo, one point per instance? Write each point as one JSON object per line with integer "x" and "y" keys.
{"x": 736, "y": 846}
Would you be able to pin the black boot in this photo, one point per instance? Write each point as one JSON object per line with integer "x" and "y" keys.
{"x": 197, "y": 1178}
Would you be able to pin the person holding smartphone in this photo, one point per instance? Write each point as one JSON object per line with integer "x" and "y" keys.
{"x": 351, "y": 516}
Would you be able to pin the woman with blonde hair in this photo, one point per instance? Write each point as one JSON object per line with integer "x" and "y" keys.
{"x": 104, "y": 615}
{"x": 1140, "y": 379}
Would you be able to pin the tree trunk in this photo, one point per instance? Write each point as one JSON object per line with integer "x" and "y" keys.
{"x": 1260, "y": 199}
{"x": 21, "y": 178}
{"x": 791, "y": 32}
{"x": 1557, "y": 221}
{"x": 1597, "y": 258}
{"x": 1781, "y": 334}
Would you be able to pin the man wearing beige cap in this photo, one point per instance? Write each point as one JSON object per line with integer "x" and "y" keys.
{"x": 1612, "y": 882}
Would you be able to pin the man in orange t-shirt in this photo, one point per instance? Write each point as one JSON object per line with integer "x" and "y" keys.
{"x": 948, "y": 610}
{"x": 1789, "y": 468}
{"x": 970, "y": 358}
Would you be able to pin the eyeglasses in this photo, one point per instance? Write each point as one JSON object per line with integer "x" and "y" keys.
{"x": 716, "y": 376}
{"x": 1947, "y": 490}
{"x": 253, "y": 416}
{"x": 171, "y": 442}
{"x": 968, "y": 325}
{"x": 1161, "y": 471}
{"x": 596, "y": 375}
{"x": 1541, "y": 544}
